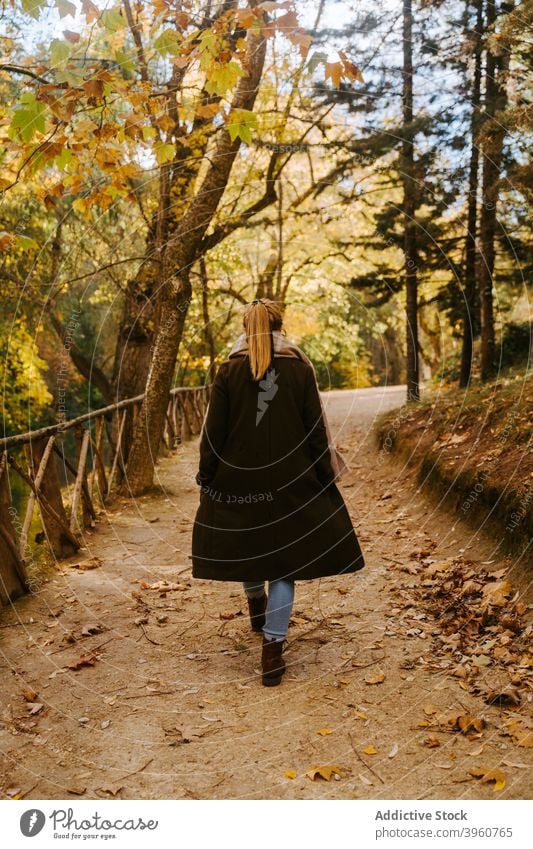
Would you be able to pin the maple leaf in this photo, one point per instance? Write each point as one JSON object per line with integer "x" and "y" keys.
{"x": 334, "y": 72}
{"x": 324, "y": 772}
{"x": 488, "y": 776}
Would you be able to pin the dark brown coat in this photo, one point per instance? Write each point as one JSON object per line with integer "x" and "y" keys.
{"x": 269, "y": 507}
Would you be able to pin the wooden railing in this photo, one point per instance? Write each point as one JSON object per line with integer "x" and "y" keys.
{"x": 100, "y": 442}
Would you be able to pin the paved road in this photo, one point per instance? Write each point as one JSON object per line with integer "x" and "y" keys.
{"x": 343, "y": 406}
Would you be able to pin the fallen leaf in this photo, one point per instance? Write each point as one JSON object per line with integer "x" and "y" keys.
{"x": 394, "y": 751}
{"x": 86, "y": 565}
{"x": 521, "y": 734}
{"x": 290, "y": 773}
{"x": 89, "y": 630}
{"x": 323, "y": 772}
{"x": 432, "y": 742}
{"x": 481, "y": 660}
{"x": 111, "y": 789}
{"x": 503, "y": 698}
{"x": 370, "y": 750}
{"x": 376, "y": 678}
{"x": 466, "y": 723}
{"x": 85, "y": 660}
{"x": 30, "y": 695}
{"x": 488, "y": 776}
{"x": 324, "y": 731}
{"x": 497, "y": 594}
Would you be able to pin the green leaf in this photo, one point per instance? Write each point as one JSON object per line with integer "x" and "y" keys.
{"x": 223, "y": 78}
{"x": 28, "y": 117}
{"x": 167, "y": 42}
{"x": 126, "y": 62}
{"x": 113, "y": 20}
{"x": 164, "y": 152}
{"x": 64, "y": 158}
{"x": 240, "y": 125}
{"x": 316, "y": 59}
{"x": 26, "y": 243}
{"x": 59, "y": 52}
{"x": 33, "y": 7}
{"x": 65, "y": 7}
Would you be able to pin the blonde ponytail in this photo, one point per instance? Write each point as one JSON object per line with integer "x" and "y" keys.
{"x": 261, "y": 317}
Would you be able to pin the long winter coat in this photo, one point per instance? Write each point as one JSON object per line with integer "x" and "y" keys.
{"x": 269, "y": 506}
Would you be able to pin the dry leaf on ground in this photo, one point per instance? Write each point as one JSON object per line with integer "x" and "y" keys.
{"x": 375, "y": 678}
{"x": 323, "y": 772}
{"x": 488, "y": 776}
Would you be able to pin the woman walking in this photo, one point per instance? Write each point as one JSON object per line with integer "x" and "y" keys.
{"x": 269, "y": 506}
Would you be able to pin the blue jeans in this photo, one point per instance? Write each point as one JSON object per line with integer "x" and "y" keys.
{"x": 279, "y": 606}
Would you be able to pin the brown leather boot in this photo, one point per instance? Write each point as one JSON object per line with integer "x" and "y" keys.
{"x": 257, "y": 609}
{"x": 272, "y": 662}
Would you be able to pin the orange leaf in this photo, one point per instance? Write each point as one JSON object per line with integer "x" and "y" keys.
{"x": 334, "y": 73}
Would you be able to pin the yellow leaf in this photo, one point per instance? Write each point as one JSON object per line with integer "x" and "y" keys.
{"x": 488, "y": 776}
{"x": 290, "y": 773}
{"x": 324, "y": 731}
{"x": 360, "y": 715}
{"x": 80, "y": 205}
{"x": 323, "y": 772}
{"x": 370, "y": 750}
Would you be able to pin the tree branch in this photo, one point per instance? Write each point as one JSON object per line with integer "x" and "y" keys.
{"x": 86, "y": 367}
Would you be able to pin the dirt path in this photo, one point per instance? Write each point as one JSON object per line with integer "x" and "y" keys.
{"x": 167, "y": 703}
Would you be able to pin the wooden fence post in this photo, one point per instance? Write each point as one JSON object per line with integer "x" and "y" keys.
{"x": 61, "y": 540}
{"x": 118, "y": 450}
{"x": 83, "y": 437}
{"x": 13, "y": 578}
{"x": 98, "y": 472}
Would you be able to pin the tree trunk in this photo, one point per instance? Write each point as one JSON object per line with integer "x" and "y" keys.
{"x": 208, "y": 330}
{"x": 181, "y": 251}
{"x": 470, "y": 322}
{"x": 409, "y": 209}
{"x": 493, "y": 134}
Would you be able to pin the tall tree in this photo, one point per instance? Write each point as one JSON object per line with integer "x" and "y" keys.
{"x": 469, "y": 321}
{"x": 409, "y": 209}
{"x": 176, "y": 291}
{"x": 493, "y": 135}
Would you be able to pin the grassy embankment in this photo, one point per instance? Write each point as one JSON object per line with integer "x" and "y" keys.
{"x": 473, "y": 448}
